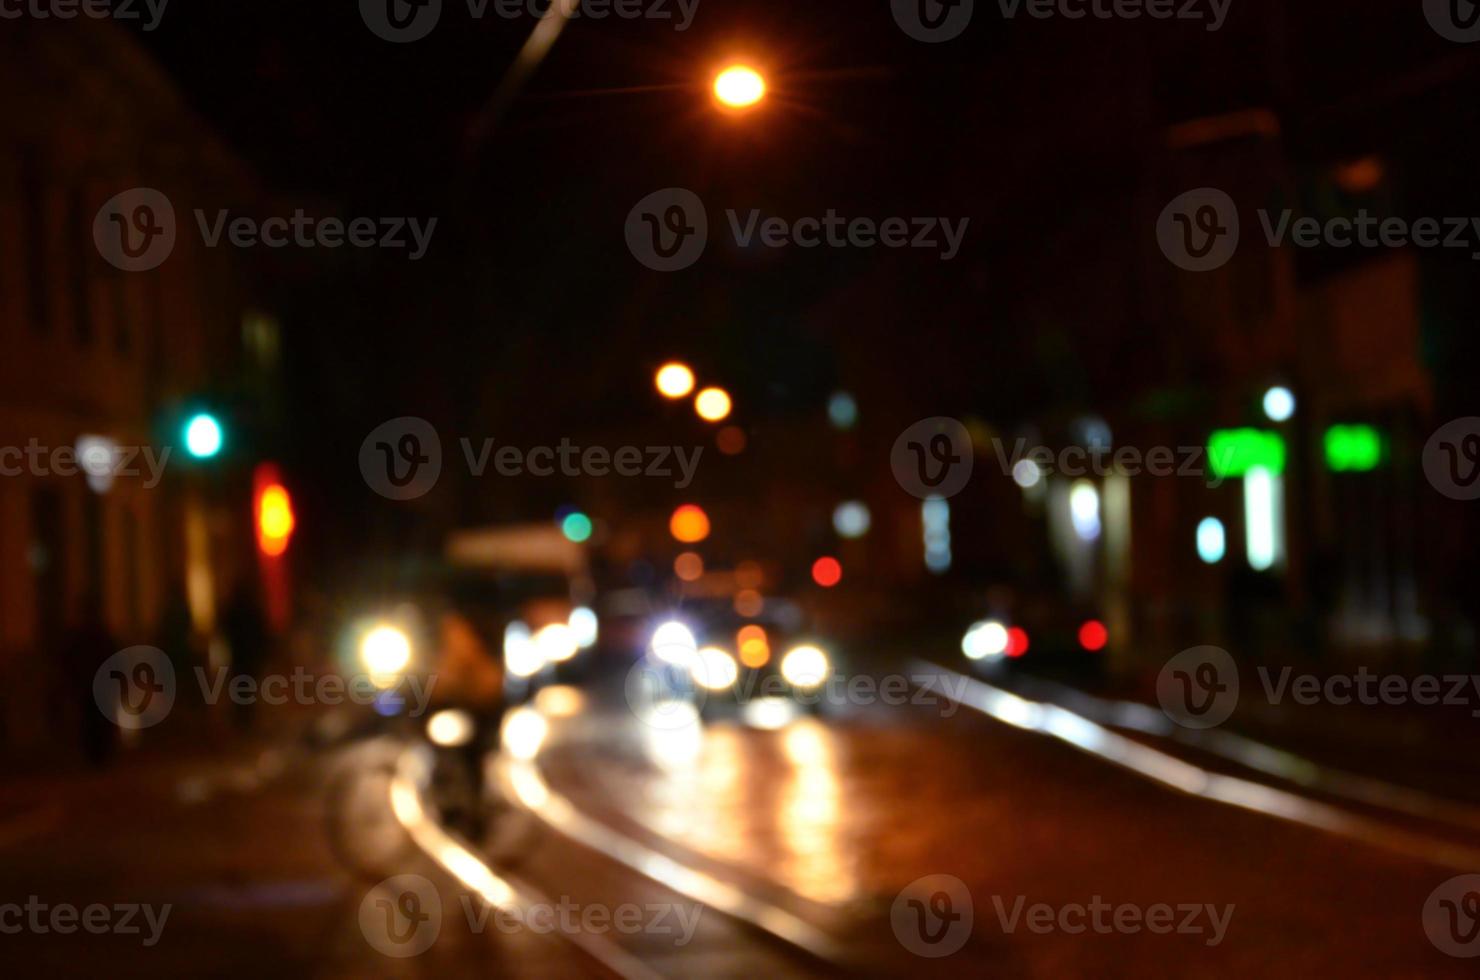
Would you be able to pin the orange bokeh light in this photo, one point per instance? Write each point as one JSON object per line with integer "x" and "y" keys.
{"x": 689, "y": 567}
{"x": 674, "y": 380}
{"x": 749, "y": 602}
{"x": 275, "y": 520}
{"x": 713, "y": 404}
{"x": 754, "y": 646}
{"x": 731, "y": 440}
{"x": 689, "y": 524}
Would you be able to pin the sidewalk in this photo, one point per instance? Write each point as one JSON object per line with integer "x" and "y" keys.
{"x": 232, "y": 839}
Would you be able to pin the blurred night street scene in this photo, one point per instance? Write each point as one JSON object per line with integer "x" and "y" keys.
{"x": 739, "y": 488}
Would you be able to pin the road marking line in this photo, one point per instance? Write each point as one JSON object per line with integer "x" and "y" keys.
{"x": 1159, "y": 767}
{"x": 1277, "y": 762}
{"x": 529, "y": 788}
{"x": 457, "y": 858}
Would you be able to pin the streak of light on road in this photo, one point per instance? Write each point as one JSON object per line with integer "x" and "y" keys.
{"x": 1158, "y": 766}
{"x": 458, "y": 859}
{"x": 1268, "y": 759}
{"x": 528, "y": 786}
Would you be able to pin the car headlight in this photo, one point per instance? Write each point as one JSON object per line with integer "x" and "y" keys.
{"x": 584, "y": 625}
{"x": 523, "y": 733}
{"x": 805, "y": 667}
{"x": 385, "y": 653}
{"x": 714, "y": 669}
{"x": 522, "y": 655}
{"x": 986, "y": 639}
{"x": 674, "y": 643}
{"x": 556, "y": 643}
{"x": 451, "y": 728}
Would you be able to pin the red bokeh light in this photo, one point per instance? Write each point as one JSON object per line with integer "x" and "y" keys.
{"x": 1093, "y": 636}
{"x": 1017, "y": 642}
{"x": 826, "y": 572}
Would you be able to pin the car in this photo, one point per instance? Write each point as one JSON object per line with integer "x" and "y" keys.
{"x": 1040, "y": 636}
{"x": 741, "y": 665}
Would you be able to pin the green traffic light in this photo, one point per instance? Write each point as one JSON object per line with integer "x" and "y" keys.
{"x": 203, "y": 436}
{"x": 1353, "y": 448}
{"x": 576, "y": 527}
{"x": 1234, "y": 452}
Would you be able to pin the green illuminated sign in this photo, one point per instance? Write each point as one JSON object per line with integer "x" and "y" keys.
{"x": 1234, "y": 452}
{"x": 1353, "y": 448}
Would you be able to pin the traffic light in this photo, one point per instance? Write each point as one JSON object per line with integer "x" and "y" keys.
{"x": 273, "y": 506}
{"x": 203, "y": 435}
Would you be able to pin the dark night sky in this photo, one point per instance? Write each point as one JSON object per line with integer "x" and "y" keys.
{"x": 1028, "y": 128}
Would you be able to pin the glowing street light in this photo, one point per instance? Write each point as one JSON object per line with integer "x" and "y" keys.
{"x": 739, "y": 87}
{"x": 689, "y": 524}
{"x": 203, "y": 436}
{"x": 713, "y": 404}
{"x": 674, "y": 380}
{"x": 1279, "y": 404}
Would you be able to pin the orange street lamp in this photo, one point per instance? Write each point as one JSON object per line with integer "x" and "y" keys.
{"x": 674, "y": 380}
{"x": 739, "y": 87}
{"x": 713, "y": 404}
{"x": 689, "y": 524}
